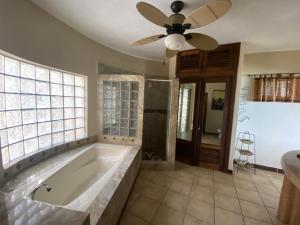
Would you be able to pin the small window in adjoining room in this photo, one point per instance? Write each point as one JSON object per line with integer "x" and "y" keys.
{"x": 277, "y": 88}
{"x": 120, "y": 108}
{"x": 39, "y": 108}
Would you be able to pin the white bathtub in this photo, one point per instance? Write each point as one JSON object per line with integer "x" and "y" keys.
{"x": 76, "y": 185}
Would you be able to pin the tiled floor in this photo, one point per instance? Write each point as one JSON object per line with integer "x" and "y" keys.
{"x": 197, "y": 196}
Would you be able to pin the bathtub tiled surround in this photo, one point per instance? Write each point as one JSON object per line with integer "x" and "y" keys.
{"x": 197, "y": 196}
{"x": 119, "y": 139}
{"x": 16, "y": 167}
{"x": 105, "y": 207}
{"x": 24, "y": 211}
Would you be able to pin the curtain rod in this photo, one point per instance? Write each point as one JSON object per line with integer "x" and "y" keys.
{"x": 264, "y": 74}
{"x": 158, "y": 80}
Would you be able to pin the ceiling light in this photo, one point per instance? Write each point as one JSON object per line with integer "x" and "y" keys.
{"x": 175, "y": 41}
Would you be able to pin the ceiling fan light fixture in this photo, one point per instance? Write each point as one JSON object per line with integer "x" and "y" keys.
{"x": 175, "y": 41}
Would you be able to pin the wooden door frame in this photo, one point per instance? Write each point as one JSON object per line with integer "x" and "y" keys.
{"x": 226, "y": 123}
{"x": 227, "y": 120}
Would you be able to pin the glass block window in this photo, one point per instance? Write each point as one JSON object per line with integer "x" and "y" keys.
{"x": 120, "y": 108}
{"x": 39, "y": 108}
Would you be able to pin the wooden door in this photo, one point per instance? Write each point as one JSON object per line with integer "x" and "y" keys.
{"x": 213, "y": 121}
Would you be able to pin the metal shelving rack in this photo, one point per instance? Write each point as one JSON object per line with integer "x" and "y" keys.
{"x": 245, "y": 146}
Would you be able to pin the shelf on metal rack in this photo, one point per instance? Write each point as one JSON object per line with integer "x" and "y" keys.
{"x": 245, "y": 152}
{"x": 247, "y": 141}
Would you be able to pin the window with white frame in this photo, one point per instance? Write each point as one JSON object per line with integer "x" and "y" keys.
{"x": 39, "y": 108}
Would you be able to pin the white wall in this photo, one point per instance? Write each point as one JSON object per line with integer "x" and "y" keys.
{"x": 276, "y": 128}
{"x": 275, "y": 124}
{"x": 30, "y": 33}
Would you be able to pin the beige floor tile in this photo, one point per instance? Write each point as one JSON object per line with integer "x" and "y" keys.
{"x": 155, "y": 192}
{"x": 168, "y": 216}
{"x": 129, "y": 219}
{"x": 225, "y": 189}
{"x": 162, "y": 180}
{"x": 227, "y": 202}
{"x": 249, "y": 221}
{"x": 170, "y": 173}
{"x": 201, "y": 211}
{"x": 190, "y": 220}
{"x": 245, "y": 184}
{"x": 263, "y": 172}
{"x": 278, "y": 183}
{"x": 273, "y": 215}
{"x": 144, "y": 208}
{"x": 223, "y": 178}
{"x": 140, "y": 185}
{"x": 185, "y": 176}
{"x": 201, "y": 193}
{"x": 176, "y": 201}
{"x": 181, "y": 187}
{"x": 131, "y": 199}
{"x": 203, "y": 172}
{"x": 248, "y": 195}
{"x": 146, "y": 174}
{"x": 267, "y": 189}
{"x": 255, "y": 211}
{"x": 270, "y": 201}
{"x": 204, "y": 181}
{"x": 258, "y": 179}
{"x": 242, "y": 175}
{"x": 225, "y": 217}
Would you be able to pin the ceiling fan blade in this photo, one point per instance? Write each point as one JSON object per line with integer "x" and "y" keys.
{"x": 208, "y": 13}
{"x": 148, "y": 40}
{"x": 202, "y": 41}
{"x": 176, "y": 19}
{"x": 170, "y": 53}
{"x": 152, "y": 14}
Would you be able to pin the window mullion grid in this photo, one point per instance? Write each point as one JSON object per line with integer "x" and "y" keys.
{"x": 8, "y": 145}
{"x": 50, "y": 96}
{"x": 74, "y": 104}
{"x": 63, "y": 107}
{"x": 111, "y": 93}
{"x": 36, "y": 108}
{"x": 128, "y": 115}
{"x": 36, "y": 111}
{"x": 120, "y": 107}
{"x": 21, "y": 109}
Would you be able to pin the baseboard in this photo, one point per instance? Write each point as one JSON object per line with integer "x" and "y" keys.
{"x": 273, "y": 169}
{"x": 268, "y": 168}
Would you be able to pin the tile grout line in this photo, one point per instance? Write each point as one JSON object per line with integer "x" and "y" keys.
{"x": 160, "y": 202}
{"x": 262, "y": 199}
{"x": 189, "y": 197}
{"x": 238, "y": 198}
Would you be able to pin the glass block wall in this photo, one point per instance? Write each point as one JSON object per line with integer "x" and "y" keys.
{"x": 39, "y": 107}
{"x": 120, "y": 108}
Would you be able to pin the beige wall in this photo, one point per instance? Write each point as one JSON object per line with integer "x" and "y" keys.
{"x": 32, "y": 34}
{"x": 272, "y": 62}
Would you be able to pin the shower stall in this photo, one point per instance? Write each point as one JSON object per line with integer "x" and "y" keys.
{"x": 156, "y": 113}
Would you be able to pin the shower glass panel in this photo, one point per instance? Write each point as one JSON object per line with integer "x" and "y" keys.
{"x": 186, "y": 111}
{"x": 155, "y": 124}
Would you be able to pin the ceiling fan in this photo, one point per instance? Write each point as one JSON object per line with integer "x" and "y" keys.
{"x": 176, "y": 25}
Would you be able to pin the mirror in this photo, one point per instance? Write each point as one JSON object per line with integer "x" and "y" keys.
{"x": 214, "y": 101}
{"x": 186, "y": 111}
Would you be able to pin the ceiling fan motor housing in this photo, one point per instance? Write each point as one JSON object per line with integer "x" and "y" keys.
{"x": 177, "y": 6}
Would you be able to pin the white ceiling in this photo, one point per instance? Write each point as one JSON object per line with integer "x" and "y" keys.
{"x": 265, "y": 25}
